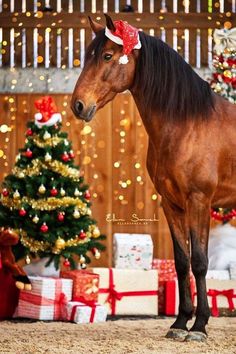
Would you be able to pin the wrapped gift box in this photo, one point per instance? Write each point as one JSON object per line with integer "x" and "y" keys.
{"x": 221, "y": 296}
{"x": 46, "y": 299}
{"x": 9, "y": 295}
{"x": 132, "y": 251}
{"x": 128, "y": 291}
{"x": 232, "y": 270}
{"x": 169, "y": 294}
{"x": 79, "y": 312}
{"x": 218, "y": 274}
{"x": 168, "y": 303}
{"x": 164, "y": 266}
{"x": 85, "y": 284}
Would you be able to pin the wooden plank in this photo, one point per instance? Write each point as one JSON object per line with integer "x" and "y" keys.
{"x": 18, "y": 47}
{"x": 5, "y": 47}
{"x": 64, "y": 47}
{"x": 6, "y": 6}
{"x": 111, "y": 6}
{"x": 53, "y": 47}
{"x": 78, "y": 20}
{"x": 29, "y": 47}
{"x": 204, "y": 47}
{"x": 180, "y": 42}
{"x": 88, "y": 6}
{"x": 192, "y": 47}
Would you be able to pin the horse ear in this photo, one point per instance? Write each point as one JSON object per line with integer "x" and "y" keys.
{"x": 96, "y": 27}
{"x": 109, "y": 23}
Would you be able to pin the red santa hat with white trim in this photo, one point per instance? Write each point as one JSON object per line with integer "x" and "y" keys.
{"x": 48, "y": 114}
{"x": 125, "y": 35}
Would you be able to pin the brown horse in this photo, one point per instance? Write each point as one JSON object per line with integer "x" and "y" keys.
{"x": 192, "y": 148}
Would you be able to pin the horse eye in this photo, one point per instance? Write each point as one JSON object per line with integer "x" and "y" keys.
{"x": 107, "y": 56}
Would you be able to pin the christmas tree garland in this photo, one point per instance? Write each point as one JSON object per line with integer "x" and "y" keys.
{"x": 55, "y": 166}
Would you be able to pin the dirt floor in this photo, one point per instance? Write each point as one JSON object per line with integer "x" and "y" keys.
{"x": 146, "y": 336}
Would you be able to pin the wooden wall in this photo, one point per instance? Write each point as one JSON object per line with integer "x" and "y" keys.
{"x": 112, "y": 152}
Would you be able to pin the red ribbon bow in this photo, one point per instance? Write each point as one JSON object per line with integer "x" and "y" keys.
{"x": 114, "y": 295}
{"x": 229, "y": 294}
{"x": 84, "y": 302}
{"x": 46, "y": 107}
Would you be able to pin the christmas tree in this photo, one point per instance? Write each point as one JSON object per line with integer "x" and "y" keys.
{"x": 45, "y": 199}
{"x": 224, "y": 83}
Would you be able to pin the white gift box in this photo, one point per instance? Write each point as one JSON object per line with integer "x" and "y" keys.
{"x": 38, "y": 268}
{"x": 132, "y": 251}
{"x": 218, "y": 274}
{"x": 128, "y": 291}
{"x": 46, "y": 299}
{"x": 221, "y": 296}
{"x": 79, "y": 312}
{"x": 232, "y": 270}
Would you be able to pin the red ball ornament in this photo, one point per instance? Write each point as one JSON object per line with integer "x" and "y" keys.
{"x": 94, "y": 250}
{"x": 71, "y": 154}
{"x": 87, "y": 195}
{"x": 65, "y": 157}
{"x": 28, "y": 153}
{"x": 29, "y": 132}
{"x": 5, "y": 192}
{"x": 66, "y": 263}
{"x": 44, "y": 227}
{"x": 60, "y": 216}
{"x": 53, "y": 192}
{"x": 22, "y": 212}
{"x": 82, "y": 235}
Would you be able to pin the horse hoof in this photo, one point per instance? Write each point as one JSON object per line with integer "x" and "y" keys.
{"x": 20, "y": 285}
{"x": 196, "y": 337}
{"x": 177, "y": 333}
{"x": 28, "y": 287}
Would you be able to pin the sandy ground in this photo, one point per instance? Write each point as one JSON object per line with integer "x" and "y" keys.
{"x": 146, "y": 336}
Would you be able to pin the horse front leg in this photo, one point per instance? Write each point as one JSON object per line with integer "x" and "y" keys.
{"x": 199, "y": 221}
{"x": 180, "y": 235}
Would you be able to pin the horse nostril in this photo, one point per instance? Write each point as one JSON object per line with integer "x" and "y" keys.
{"x": 79, "y": 106}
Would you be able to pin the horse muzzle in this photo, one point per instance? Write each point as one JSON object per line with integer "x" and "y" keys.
{"x": 82, "y": 112}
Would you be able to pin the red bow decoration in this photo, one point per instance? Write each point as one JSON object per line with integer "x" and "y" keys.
{"x": 46, "y": 107}
{"x": 229, "y": 294}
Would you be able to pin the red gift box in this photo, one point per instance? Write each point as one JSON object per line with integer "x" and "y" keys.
{"x": 85, "y": 284}
{"x": 9, "y": 295}
{"x": 168, "y": 302}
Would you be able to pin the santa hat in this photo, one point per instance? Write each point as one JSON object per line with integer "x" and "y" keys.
{"x": 125, "y": 35}
{"x": 48, "y": 114}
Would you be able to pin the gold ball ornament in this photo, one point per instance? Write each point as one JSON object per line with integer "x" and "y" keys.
{"x": 62, "y": 192}
{"x": 89, "y": 212}
{"x": 47, "y": 157}
{"x": 76, "y": 214}
{"x": 27, "y": 259}
{"x": 21, "y": 175}
{"x": 42, "y": 189}
{"x": 96, "y": 232}
{"x": 97, "y": 254}
{"x": 228, "y": 73}
{"x": 60, "y": 243}
{"x": 35, "y": 219}
{"x": 83, "y": 266}
{"x": 16, "y": 194}
{"x": 82, "y": 259}
{"x": 76, "y": 192}
{"x": 46, "y": 135}
{"x": 18, "y": 157}
{"x": 225, "y": 64}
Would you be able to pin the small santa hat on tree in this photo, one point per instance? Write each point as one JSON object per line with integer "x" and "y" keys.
{"x": 48, "y": 114}
{"x": 125, "y": 35}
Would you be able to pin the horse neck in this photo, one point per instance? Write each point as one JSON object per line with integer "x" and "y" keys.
{"x": 152, "y": 122}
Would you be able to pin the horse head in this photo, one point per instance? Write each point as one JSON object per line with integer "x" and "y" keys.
{"x": 104, "y": 73}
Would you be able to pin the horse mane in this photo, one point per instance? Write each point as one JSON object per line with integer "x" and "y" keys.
{"x": 170, "y": 86}
{"x": 167, "y": 83}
